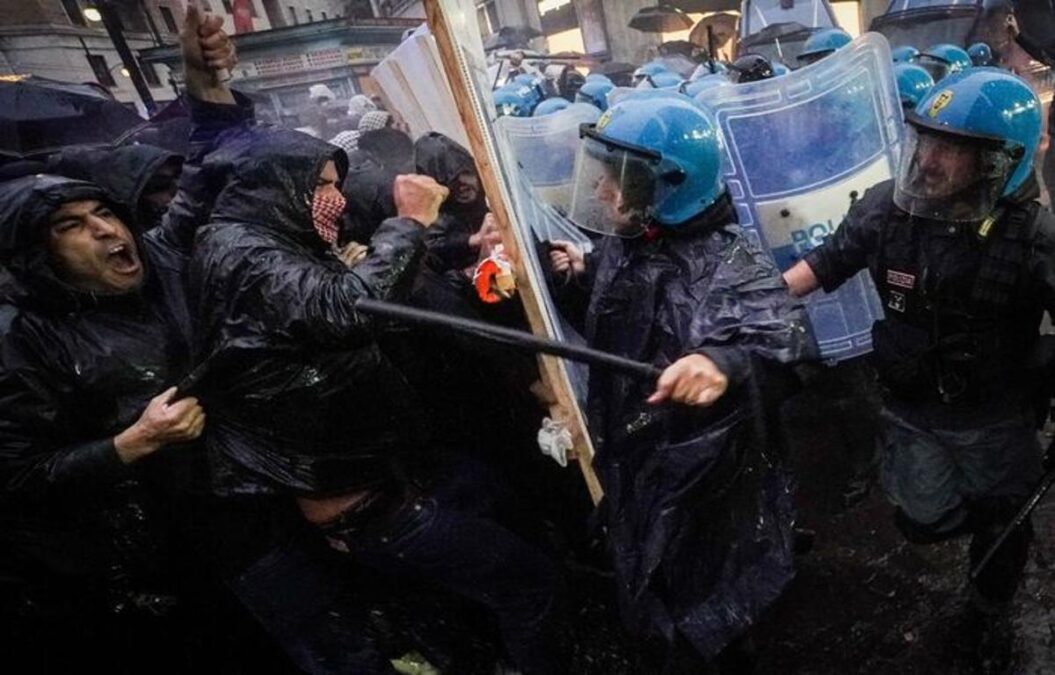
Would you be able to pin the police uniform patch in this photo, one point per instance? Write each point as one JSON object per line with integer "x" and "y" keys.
{"x": 941, "y": 101}
{"x": 896, "y": 301}
{"x": 901, "y": 279}
{"x": 604, "y": 120}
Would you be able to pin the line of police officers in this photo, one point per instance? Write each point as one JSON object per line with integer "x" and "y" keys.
{"x": 313, "y": 433}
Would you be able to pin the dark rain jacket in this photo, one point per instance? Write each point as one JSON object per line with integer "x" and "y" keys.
{"x": 962, "y": 313}
{"x": 443, "y": 159}
{"x": 77, "y": 368}
{"x": 123, "y": 172}
{"x": 382, "y": 155}
{"x": 697, "y": 513}
{"x": 301, "y": 398}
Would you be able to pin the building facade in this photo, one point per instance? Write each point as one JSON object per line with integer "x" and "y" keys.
{"x": 280, "y": 66}
{"x": 600, "y": 28}
{"x": 58, "y": 39}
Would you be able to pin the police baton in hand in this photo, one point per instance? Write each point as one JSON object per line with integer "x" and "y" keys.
{"x": 1023, "y": 513}
{"x": 516, "y": 339}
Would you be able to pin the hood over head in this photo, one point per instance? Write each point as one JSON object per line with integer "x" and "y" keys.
{"x": 442, "y": 158}
{"x": 269, "y": 177}
{"x": 25, "y": 206}
{"x": 123, "y": 172}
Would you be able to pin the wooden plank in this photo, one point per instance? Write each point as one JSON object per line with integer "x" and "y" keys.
{"x": 554, "y": 376}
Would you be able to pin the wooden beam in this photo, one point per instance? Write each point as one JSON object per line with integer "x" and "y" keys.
{"x": 554, "y": 377}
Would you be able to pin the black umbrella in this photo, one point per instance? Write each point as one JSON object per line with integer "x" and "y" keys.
{"x": 778, "y": 42}
{"x": 706, "y": 5}
{"x": 38, "y": 114}
{"x": 619, "y": 72}
{"x": 681, "y": 47}
{"x": 1036, "y": 20}
{"x": 777, "y": 31}
{"x": 168, "y": 128}
{"x": 660, "y": 19}
{"x": 511, "y": 37}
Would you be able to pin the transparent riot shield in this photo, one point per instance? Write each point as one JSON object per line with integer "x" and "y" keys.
{"x": 800, "y": 149}
{"x": 545, "y": 149}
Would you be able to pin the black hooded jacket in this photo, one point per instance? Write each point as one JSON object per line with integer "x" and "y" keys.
{"x": 382, "y": 155}
{"x": 123, "y": 172}
{"x": 443, "y": 159}
{"x": 301, "y": 398}
{"x": 77, "y": 368}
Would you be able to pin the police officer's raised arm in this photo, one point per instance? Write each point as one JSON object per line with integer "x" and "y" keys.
{"x": 846, "y": 251}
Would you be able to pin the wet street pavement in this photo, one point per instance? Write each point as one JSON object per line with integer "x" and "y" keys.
{"x": 864, "y": 600}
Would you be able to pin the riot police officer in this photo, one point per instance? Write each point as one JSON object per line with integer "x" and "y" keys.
{"x": 962, "y": 256}
{"x": 697, "y": 520}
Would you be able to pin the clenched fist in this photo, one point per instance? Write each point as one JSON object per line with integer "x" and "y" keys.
{"x": 419, "y": 197}
{"x": 691, "y": 380}
{"x": 566, "y": 258}
{"x": 164, "y": 421}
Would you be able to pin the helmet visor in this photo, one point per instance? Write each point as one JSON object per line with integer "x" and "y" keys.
{"x": 950, "y": 178}
{"x": 613, "y": 189}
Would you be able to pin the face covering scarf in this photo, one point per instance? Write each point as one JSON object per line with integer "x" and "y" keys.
{"x": 325, "y": 210}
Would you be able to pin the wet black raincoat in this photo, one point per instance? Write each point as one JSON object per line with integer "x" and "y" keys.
{"x": 301, "y": 397}
{"x": 443, "y": 159}
{"x": 76, "y": 368}
{"x": 697, "y": 511}
{"x": 382, "y": 155}
{"x": 123, "y": 172}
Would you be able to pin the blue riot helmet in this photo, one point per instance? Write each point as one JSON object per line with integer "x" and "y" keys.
{"x": 913, "y": 83}
{"x": 514, "y": 100}
{"x": 905, "y": 54}
{"x": 595, "y": 92}
{"x": 596, "y": 76}
{"x": 822, "y": 43}
{"x": 751, "y": 68}
{"x": 649, "y": 159}
{"x": 661, "y": 80}
{"x": 648, "y": 70}
{"x": 943, "y": 59}
{"x": 537, "y": 83}
{"x": 981, "y": 54}
{"x": 692, "y": 89}
{"x": 779, "y": 69}
{"x": 550, "y": 106}
{"x": 968, "y": 143}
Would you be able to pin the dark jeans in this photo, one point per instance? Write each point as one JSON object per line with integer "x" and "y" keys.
{"x": 304, "y": 604}
{"x": 416, "y": 537}
{"x": 283, "y": 575}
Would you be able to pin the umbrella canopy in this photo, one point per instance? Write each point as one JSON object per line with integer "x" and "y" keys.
{"x": 778, "y": 42}
{"x": 776, "y": 31}
{"x": 660, "y": 19}
{"x": 619, "y": 72}
{"x": 706, "y": 5}
{"x": 38, "y": 114}
{"x": 723, "y": 26}
{"x": 511, "y": 37}
{"x": 1036, "y": 20}
{"x": 168, "y": 128}
{"x": 679, "y": 47}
